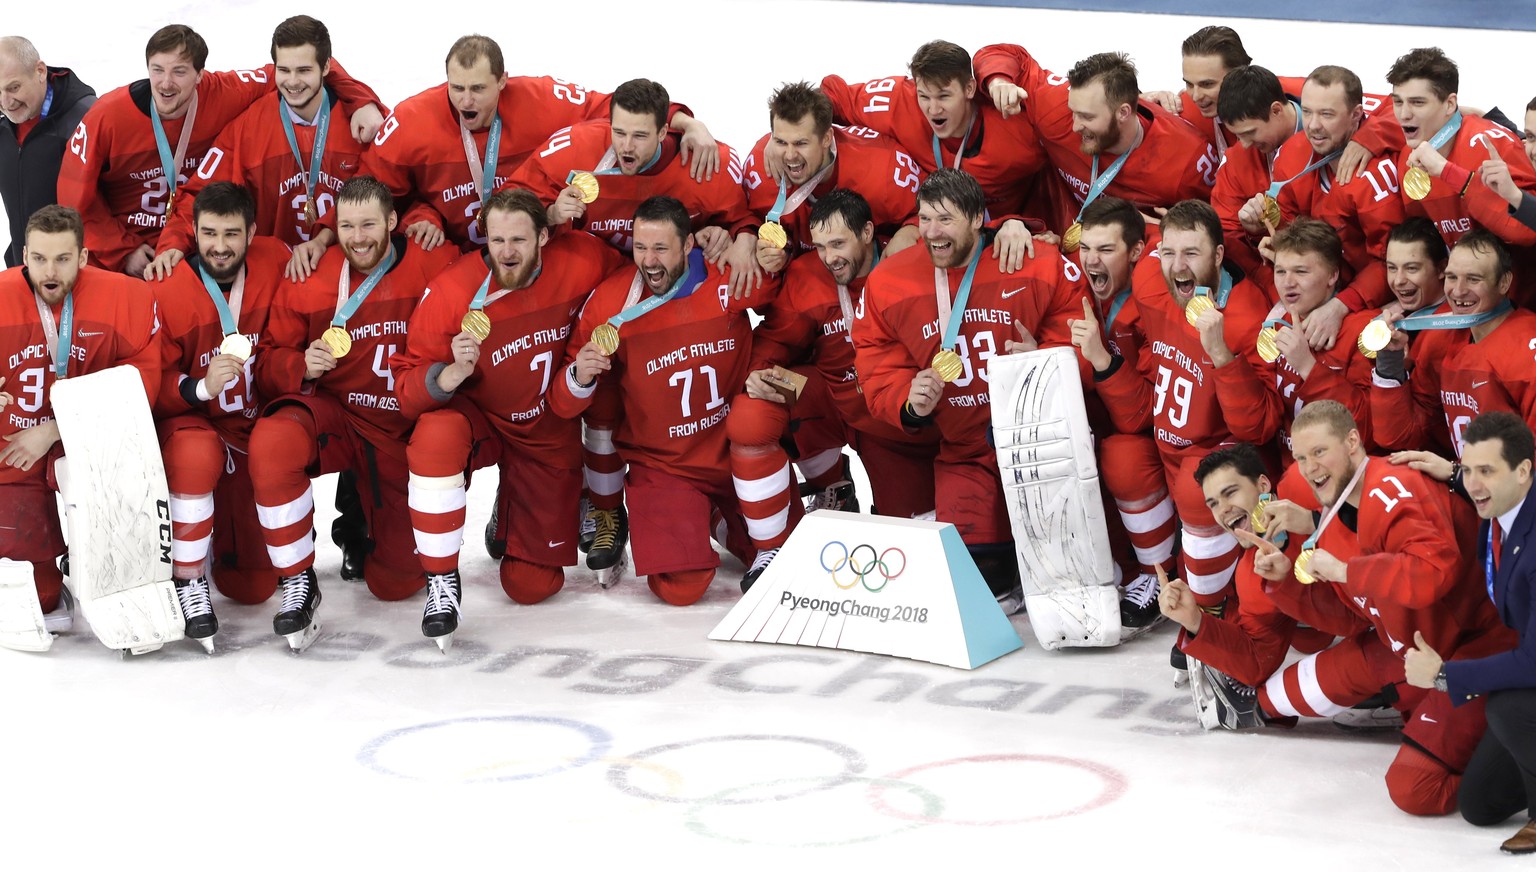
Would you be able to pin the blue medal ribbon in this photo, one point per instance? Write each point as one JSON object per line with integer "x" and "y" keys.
{"x": 163, "y": 146}
{"x": 363, "y": 290}
{"x": 1274, "y": 187}
{"x": 962, "y": 296}
{"x": 778, "y": 204}
{"x": 227, "y": 322}
{"x": 691, "y": 279}
{"x": 1488, "y": 560}
{"x": 1115, "y": 307}
{"x": 938, "y": 150}
{"x": 1424, "y": 320}
{"x": 1223, "y": 290}
{"x": 317, "y": 151}
{"x": 1100, "y": 182}
{"x": 65, "y": 344}
{"x": 1444, "y": 134}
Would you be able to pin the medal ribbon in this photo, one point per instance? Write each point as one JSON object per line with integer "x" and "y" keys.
{"x": 1334, "y": 509}
{"x": 1423, "y": 320}
{"x": 609, "y": 165}
{"x": 316, "y": 151}
{"x": 691, "y": 280}
{"x": 1274, "y": 187}
{"x": 483, "y": 298}
{"x": 60, "y": 336}
{"x": 787, "y": 202}
{"x": 951, "y": 316}
{"x": 347, "y": 306}
{"x": 170, "y": 164}
{"x": 228, "y": 322}
{"x": 481, "y": 172}
{"x": 1100, "y": 182}
{"x": 1444, "y": 134}
{"x": 938, "y": 151}
{"x": 1488, "y": 561}
{"x": 845, "y": 303}
{"x": 1223, "y": 290}
{"x": 1116, "y": 306}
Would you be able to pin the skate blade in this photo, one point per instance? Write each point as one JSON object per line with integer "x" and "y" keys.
{"x": 1129, "y": 633}
{"x": 1180, "y": 678}
{"x": 305, "y": 637}
{"x": 614, "y": 574}
{"x": 444, "y": 642}
{"x": 142, "y": 649}
{"x": 206, "y": 643}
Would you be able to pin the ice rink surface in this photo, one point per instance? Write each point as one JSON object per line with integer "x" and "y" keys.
{"x": 602, "y": 726}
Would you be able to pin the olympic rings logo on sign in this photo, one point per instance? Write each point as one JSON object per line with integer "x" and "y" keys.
{"x": 860, "y": 562}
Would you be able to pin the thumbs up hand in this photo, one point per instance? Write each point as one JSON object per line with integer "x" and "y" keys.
{"x": 1421, "y": 663}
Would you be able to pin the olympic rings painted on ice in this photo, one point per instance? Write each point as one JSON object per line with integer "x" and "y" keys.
{"x": 853, "y": 764}
{"x": 861, "y": 565}
{"x": 1114, "y": 786}
{"x": 933, "y": 807}
{"x": 598, "y": 739}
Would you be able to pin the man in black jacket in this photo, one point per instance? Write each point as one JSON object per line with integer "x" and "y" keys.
{"x": 40, "y": 107}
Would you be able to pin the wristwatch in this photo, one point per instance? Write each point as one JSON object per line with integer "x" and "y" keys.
{"x": 1441, "y": 684}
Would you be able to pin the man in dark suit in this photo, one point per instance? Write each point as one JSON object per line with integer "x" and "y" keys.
{"x": 1495, "y": 474}
{"x": 40, "y": 107}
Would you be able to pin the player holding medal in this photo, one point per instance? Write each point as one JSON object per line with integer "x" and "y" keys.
{"x": 934, "y": 316}
{"x": 480, "y": 352}
{"x": 326, "y": 363}
{"x": 211, "y": 307}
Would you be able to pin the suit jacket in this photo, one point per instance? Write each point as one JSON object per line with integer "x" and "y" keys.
{"x": 1514, "y": 583}
{"x": 29, "y": 172}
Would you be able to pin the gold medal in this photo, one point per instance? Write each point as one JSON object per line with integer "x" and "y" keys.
{"x": 947, "y": 365}
{"x": 236, "y": 345}
{"x": 1268, "y": 350}
{"x": 1365, "y": 351}
{"x": 1256, "y": 519}
{"x": 1416, "y": 183}
{"x": 311, "y": 214}
{"x": 170, "y": 202}
{"x": 1196, "y": 307}
{"x": 1072, "y": 238}
{"x": 476, "y": 323}
{"x": 606, "y": 337}
{"x": 1303, "y": 560}
{"x": 772, "y": 232}
{"x": 588, "y": 185}
{"x": 1272, "y": 211}
{"x": 1374, "y": 337}
{"x": 339, "y": 341}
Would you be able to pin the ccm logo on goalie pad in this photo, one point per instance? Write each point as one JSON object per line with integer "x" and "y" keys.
{"x": 163, "y": 509}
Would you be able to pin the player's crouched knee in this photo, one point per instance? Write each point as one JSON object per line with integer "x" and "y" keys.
{"x": 755, "y": 422}
{"x": 390, "y": 583}
{"x": 682, "y": 588}
{"x": 1421, "y": 785}
{"x": 245, "y": 586}
{"x": 529, "y": 583}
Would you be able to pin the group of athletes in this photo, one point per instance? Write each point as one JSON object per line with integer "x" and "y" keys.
{"x": 1268, "y": 280}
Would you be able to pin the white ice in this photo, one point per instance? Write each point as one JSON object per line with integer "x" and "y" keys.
{"x": 602, "y": 726}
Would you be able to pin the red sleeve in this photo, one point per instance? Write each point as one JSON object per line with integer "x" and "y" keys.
{"x": 783, "y": 336}
{"x": 728, "y": 198}
{"x": 1380, "y": 134}
{"x": 1253, "y": 644}
{"x": 535, "y": 173}
{"x": 1233, "y": 189}
{"x": 428, "y": 341}
{"x": 1343, "y": 374}
{"x": 1488, "y": 208}
{"x": 1046, "y": 106}
{"x": 279, "y": 367}
{"x": 1406, "y": 523}
{"x": 80, "y": 185}
{"x": 867, "y": 103}
{"x": 1379, "y": 210}
{"x": 351, "y": 93}
{"x": 885, "y": 367}
{"x": 1252, "y": 406}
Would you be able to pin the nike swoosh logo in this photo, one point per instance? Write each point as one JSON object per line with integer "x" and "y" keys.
{"x": 1427, "y": 719}
{"x": 1475, "y": 385}
{"x": 84, "y": 333}
{"x": 557, "y": 544}
{"x": 1007, "y": 294}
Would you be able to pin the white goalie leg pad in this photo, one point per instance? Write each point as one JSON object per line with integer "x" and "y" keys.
{"x": 117, "y": 510}
{"x": 22, "y": 627}
{"x": 1051, "y": 484}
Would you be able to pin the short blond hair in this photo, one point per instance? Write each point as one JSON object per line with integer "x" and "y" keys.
{"x": 1332, "y": 413}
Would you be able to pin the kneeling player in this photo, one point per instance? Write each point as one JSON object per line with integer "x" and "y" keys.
{"x": 214, "y": 307}
{"x": 60, "y": 318}
{"x": 479, "y": 356}
{"x": 326, "y": 362}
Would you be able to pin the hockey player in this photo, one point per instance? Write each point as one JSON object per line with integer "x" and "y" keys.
{"x": 326, "y": 365}
{"x": 291, "y": 151}
{"x": 138, "y": 144}
{"x": 933, "y": 318}
{"x": 1097, "y": 134}
{"x": 677, "y": 344}
{"x": 817, "y": 158}
{"x": 477, "y": 393}
{"x": 215, "y": 306}
{"x": 809, "y": 327}
{"x": 60, "y": 318}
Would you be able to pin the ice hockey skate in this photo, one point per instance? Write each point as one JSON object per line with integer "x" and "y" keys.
{"x": 1221, "y": 702}
{"x": 607, "y": 556}
{"x": 295, "y": 620}
{"x": 440, "y": 617}
{"x": 197, "y": 608}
